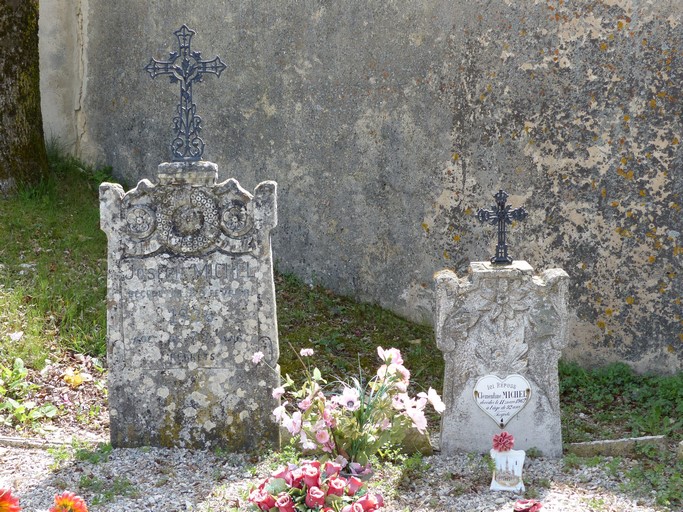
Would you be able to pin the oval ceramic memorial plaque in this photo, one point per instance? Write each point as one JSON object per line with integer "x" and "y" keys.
{"x": 502, "y": 399}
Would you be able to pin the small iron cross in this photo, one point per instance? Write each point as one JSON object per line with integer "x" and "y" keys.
{"x": 502, "y": 215}
{"x": 186, "y": 67}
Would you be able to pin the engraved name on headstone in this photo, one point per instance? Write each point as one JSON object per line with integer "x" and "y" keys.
{"x": 190, "y": 299}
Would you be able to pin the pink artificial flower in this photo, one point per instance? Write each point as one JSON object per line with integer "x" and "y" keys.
{"x": 527, "y": 506}
{"x": 328, "y": 447}
{"x": 306, "y": 444}
{"x": 313, "y": 462}
{"x": 385, "y": 424}
{"x": 418, "y": 418}
{"x": 349, "y": 399}
{"x": 305, "y": 404}
{"x": 315, "y": 497}
{"x": 392, "y": 370}
{"x": 284, "y": 503}
{"x": 261, "y": 499}
{"x": 503, "y": 442}
{"x": 336, "y": 486}
{"x": 306, "y": 352}
{"x": 403, "y": 371}
{"x": 328, "y": 418}
{"x": 332, "y": 468}
{"x": 294, "y": 426}
{"x": 280, "y": 414}
{"x": 311, "y": 475}
{"x": 390, "y": 355}
{"x": 322, "y": 436}
{"x": 278, "y": 392}
{"x": 354, "y": 484}
{"x": 397, "y": 402}
{"x": 433, "y": 398}
{"x": 256, "y": 358}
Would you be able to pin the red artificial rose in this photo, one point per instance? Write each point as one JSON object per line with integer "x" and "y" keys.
{"x": 314, "y": 463}
{"x": 503, "y": 442}
{"x": 261, "y": 499}
{"x": 528, "y": 506}
{"x": 284, "y": 473}
{"x": 336, "y": 486}
{"x": 371, "y": 502}
{"x": 332, "y": 468}
{"x": 355, "y": 483}
{"x": 284, "y": 503}
{"x": 297, "y": 478}
{"x": 311, "y": 475}
{"x": 315, "y": 497}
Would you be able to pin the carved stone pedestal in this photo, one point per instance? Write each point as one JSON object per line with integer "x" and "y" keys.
{"x": 502, "y": 330}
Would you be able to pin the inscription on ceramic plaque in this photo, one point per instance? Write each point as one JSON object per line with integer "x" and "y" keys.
{"x": 502, "y": 399}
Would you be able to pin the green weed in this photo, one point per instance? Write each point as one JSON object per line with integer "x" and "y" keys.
{"x": 100, "y": 453}
{"x": 16, "y": 409}
{"x": 105, "y": 491}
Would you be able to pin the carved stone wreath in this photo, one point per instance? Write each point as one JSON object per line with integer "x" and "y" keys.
{"x": 235, "y": 219}
{"x": 188, "y": 221}
{"x": 141, "y": 221}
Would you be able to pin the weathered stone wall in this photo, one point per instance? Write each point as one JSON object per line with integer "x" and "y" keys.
{"x": 62, "y": 33}
{"x": 388, "y": 123}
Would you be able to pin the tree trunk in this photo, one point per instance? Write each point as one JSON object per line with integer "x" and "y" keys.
{"x": 23, "y": 159}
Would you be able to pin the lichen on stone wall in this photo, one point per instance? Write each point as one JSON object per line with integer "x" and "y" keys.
{"x": 402, "y": 118}
{"x": 575, "y": 110}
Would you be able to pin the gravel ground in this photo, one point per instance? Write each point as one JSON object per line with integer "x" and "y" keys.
{"x": 180, "y": 480}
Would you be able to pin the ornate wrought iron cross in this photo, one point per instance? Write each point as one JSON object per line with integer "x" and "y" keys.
{"x": 186, "y": 67}
{"x": 502, "y": 215}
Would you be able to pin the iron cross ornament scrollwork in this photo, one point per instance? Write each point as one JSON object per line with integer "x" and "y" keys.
{"x": 186, "y": 67}
{"x": 502, "y": 215}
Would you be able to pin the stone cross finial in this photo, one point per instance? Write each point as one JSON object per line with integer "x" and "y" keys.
{"x": 186, "y": 67}
{"x": 502, "y": 215}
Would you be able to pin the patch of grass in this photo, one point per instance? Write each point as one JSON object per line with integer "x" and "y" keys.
{"x": 613, "y": 402}
{"x": 53, "y": 271}
{"x": 345, "y": 335}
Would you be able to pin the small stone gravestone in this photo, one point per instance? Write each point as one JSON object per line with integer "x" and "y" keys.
{"x": 501, "y": 329}
{"x": 190, "y": 294}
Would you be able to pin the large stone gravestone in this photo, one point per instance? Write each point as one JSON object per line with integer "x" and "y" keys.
{"x": 501, "y": 329}
{"x": 190, "y": 299}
